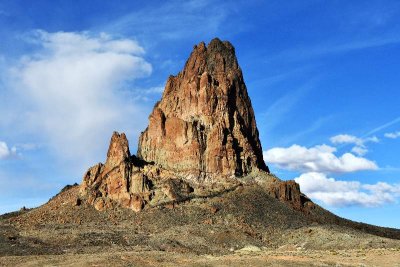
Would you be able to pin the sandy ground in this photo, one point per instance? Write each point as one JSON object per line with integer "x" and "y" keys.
{"x": 373, "y": 257}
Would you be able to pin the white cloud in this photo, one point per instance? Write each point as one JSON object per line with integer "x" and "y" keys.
{"x": 351, "y": 139}
{"x": 5, "y": 152}
{"x": 346, "y": 193}
{"x": 359, "y": 150}
{"x": 317, "y": 159}
{"x": 71, "y": 94}
{"x": 360, "y": 147}
{"x": 346, "y": 139}
{"x": 394, "y": 135}
{"x": 81, "y": 43}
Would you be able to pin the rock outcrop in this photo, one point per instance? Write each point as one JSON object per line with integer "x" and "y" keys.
{"x": 204, "y": 124}
{"x": 119, "y": 180}
{"x": 289, "y": 192}
{"x": 118, "y": 150}
{"x": 201, "y": 141}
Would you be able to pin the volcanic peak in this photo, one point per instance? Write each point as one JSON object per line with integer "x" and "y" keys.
{"x": 201, "y": 141}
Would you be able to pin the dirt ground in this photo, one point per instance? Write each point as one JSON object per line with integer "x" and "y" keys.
{"x": 371, "y": 257}
{"x": 237, "y": 229}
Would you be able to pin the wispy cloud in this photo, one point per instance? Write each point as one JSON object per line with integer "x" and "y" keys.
{"x": 150, "y": 94}
{"x": 334, "y": 48}
{"x": 281, "y": 108}
{"x": 6, "y": 152}
{"x": 382, "y": 127}
{"x": 166, "y": 21}
{"x": 153, "y": 90}
{"x": 282, "y": 76}
{"x": 338, "y": 193}
{"x": 360, "y": 143}
{"x": 372, "y": 16}
{"x": 27, "y": 146}
{"x": 394, "y": 135}
{"x": 307, "y": 130}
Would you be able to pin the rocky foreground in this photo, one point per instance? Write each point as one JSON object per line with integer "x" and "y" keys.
{"x": 231, "y": 229}
{"x": 197, "y": 193}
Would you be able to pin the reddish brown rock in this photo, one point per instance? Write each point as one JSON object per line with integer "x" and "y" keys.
{"x": 117, "y": 181}
{"x": 118, "y": 150}
{"x": 289, "y": 192}
{"x": 204, "y": 124}
{"x": 202, "y": 140}
{"x": 126, "y": 181}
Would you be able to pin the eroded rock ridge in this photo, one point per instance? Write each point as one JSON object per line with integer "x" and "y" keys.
{"x": 201, "y": 141}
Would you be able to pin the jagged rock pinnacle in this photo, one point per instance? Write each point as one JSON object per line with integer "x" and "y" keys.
{"x": 202, "y": 139}
{"x": 118, "y": 150}
{"x": 204, "y": 124}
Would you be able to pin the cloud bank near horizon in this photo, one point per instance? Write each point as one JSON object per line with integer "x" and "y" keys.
{"x": 339, "y": 193}
{"x": 315, "y": 164}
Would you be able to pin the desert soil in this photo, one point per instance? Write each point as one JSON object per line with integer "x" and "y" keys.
{"x": 242, "y": 227}
{"x": 356, "y": 257}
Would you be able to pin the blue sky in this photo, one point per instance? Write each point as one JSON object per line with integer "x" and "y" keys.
{"x": 323, "y": 77}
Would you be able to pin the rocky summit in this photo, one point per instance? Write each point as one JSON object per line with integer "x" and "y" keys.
{"x": 202, "y": 139}
{"x": 204, "y": 124}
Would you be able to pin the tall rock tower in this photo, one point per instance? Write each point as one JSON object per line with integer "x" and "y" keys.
{"x": 202, "y": 139}
{"x": 204, "y": 124}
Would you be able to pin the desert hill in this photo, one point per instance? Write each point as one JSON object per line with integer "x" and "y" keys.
{"x": 198, "y": 185}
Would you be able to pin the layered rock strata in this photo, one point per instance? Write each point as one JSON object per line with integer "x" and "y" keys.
{"x": 201, "y": 141}
{"x": 204, "y": 124}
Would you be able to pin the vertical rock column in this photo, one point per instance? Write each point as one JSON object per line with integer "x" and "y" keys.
{"x": 204, "y": 124}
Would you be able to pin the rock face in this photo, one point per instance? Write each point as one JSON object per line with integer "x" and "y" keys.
{"x": 289, "y": 192}
{"x": 118, "y": 180}
{"x": 204, "y": 124}
{"x": 118, "y": 150}
{"x": 202, "y": 141}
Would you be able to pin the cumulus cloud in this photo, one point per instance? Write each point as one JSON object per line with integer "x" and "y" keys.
{"x": 346, "y": 139}
{"x": 394, "y": 135}
{"x": 360, "y": 147}
{"x": 71, "y": 90}
{"x": 319, "y": 158}
{"x": 338, "y": 193}
{"x": 6, "y": 152}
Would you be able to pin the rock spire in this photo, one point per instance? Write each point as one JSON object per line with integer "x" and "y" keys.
{"x": 201, "y": 141}
{"x": 204, "y": 124}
